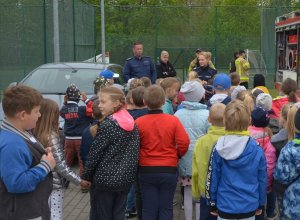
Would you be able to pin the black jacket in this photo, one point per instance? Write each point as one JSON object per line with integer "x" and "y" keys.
{"x": 165, "y": 70}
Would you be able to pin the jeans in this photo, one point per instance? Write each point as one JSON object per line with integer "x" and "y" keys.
{"x": 271, "y": 203}
{"x": 158, "y": 191}
{"x": 107, "y": 205}
{"x": 205, "y": 211}
{"x": 130, "y": 205}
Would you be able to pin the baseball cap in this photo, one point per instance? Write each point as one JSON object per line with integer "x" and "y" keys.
{"x": 222, "y": 82}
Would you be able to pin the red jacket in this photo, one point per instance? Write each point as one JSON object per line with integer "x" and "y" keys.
{"x": 162, "y": 139}
{"x": 277, "y": 104}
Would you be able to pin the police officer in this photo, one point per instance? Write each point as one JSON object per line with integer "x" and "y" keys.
{"x": 139, "y": 65}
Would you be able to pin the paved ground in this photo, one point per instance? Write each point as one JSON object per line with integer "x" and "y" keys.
{"x": 76, "y": 205}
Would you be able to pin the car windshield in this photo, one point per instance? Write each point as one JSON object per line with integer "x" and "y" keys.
{"x": 57, "y": 80}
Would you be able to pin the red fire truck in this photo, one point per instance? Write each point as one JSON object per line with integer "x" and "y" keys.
{"x": 287, "y": 47}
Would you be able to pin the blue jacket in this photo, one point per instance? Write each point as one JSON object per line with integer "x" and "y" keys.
{"x": 85, "y": 145}
{"x": 237, "y": 179}
{"x": 194, "y": 118}
{"x": 76, "y": 119}
{"x": 287, "y": 171}
{"x": 137, "y": 68}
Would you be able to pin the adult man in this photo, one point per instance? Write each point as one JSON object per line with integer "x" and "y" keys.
{"x": 242, "y": 67}
{"x": 139, "y": 65}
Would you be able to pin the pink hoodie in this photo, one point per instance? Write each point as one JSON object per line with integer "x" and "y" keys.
{"x": 124, "y": 119}
{"x": 263, "y": 139}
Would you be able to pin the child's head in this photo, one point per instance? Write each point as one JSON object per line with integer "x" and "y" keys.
{"x": 157, "y": 102}
{"x": 246, "y": 97}
{"x": 259, "y": 80}
{"x": 216, "y": 114}
{"x": 171, "y": 87}
{"x": 193, "y": 91}
{"x": 111, "y": 100}
{"x": 138, "y": 96}
{"x": 48, "y": 122}
{"x": 284, "y": 114}
{"x": 73, "y": 93}
{"x": 22, "y": 103}
{"x": 129, "y": 102}
{"x": 146, "y": 81}
{"x": 99, "y": 83}
{"x": 222, "y": 83}
{"x": 97, "y": 115}
{"x": 260, "y": 117}
{"x": 289, "y": 88}
{"x": 264, "y": 101}
{"x": 236, "y": 91}
{"x": 134, "y": 83}
{"x": 235, "y": 79}
{"x": 236, "y": 116}
{"x": 158, "y": 81}
{"x": 290, "y": 123}
{"x": 193, "y": 75}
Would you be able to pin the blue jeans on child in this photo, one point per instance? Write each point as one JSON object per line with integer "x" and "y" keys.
{"x": 107, "y": 205}
{"x": 130, "y": 205}
{"x": 158, "y": 191}
{"x": 250, "y": 218}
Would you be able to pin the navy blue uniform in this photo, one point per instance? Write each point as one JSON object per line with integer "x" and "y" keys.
{"x": 206, "y": 73}
{"x": 138, "y": 67}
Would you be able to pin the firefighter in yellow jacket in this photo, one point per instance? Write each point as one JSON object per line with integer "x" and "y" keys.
{"x": 242, "y": 67}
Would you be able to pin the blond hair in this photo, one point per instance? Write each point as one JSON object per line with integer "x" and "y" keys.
{"x": 236, "y": 116}
{"x": 134, "y": 83}
{"x": 163, "y": 53}
{"x": 193, "y": 76}
{"x": 146, "y": 81}
{"x": 48, "y": 123}
{"x": 246, "y": 97}
{"x": 290, "y": 122}
{"x": 115, "y": 95}
{"x": 206, "y": 54}
{"x": 216, "y": 113}
{"x": 168, "y": 82}
{"x": 158, "y": 93}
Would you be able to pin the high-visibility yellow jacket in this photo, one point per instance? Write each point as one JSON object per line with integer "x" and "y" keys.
{"x": 242, "y": 67}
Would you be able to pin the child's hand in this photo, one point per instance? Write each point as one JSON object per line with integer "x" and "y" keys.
{"x": 85, "y": 184}
{"x": 50, "y": 159}
{"x": 214, "y": 213}
{"x": 83, "y": 96}
{"x": 258, "y": 212}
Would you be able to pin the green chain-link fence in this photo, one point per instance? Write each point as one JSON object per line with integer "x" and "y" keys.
{"x": 26, "y": 34}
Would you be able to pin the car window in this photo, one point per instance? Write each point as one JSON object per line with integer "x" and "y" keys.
{"x": 57, "y": 80}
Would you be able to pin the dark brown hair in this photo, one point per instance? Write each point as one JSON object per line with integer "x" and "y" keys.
{"x": 154, "y": 97}
{"x": 235, "y": 79}
{"x": 146, "y": 81}
{"x": 138, "y": 96}
{"x": 20, "y": 98}
{"x": 289, "y": 88}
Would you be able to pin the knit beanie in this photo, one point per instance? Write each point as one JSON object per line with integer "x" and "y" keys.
{"x": 73, "y": 93}
{"x": 260, "y": 117}
{"x": 236, "y": 91}
{"x": 193, "y": 91}
{"x": 264, "y": 101}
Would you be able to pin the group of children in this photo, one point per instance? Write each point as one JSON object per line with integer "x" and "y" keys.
{"x": 233, "y": 153}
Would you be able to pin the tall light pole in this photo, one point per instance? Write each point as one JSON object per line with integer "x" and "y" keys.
{"x": 102, "y": 31}
{"x": 56, "y": 46}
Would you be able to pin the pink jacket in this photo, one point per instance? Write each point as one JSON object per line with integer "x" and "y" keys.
{"x": 263, "y": 139}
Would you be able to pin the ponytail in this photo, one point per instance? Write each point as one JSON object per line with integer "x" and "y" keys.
{"x": 289, "y": 88}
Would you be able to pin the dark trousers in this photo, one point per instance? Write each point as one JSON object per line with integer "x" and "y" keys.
{"x": 158, "y": 191}
{"x": 271, "y": 204}
{"x": 72, "y": 149}
{"x": 205, "y": 211}
{"x": 107, "y": 205}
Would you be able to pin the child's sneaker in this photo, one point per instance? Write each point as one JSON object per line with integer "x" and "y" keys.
{"x": 130, "y": 214}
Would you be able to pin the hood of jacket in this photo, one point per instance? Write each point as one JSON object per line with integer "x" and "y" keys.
{"x": 217, "y": 98}
{"x": 124, "y": 119}
{"x": 233, "y": 148}
{"x": 193, "y": 105}
{"x": 282, "y": 135}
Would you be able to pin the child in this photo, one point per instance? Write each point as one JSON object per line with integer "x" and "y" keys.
{"x": 113, "y": 157}
{"x": 235, "y": 91}
{"x": 171, "y": 87}
{"x": 193, "y": 76}
{"x": 46, "y": 131}
{"x": 236, "y": 178}
{"x": 146, "y": 81}
{"x": 193, "y": 117}
{"x": 139, "y": 108}
{"x": 246, "y": 97}
{"x": 262, "y": 134}
{"x": 221, "y": 85}
{"x": 287, "y": 172}
{"x": 25, "y": 166}
{"x": 76, "y": 121}
{"x": 201, "y": 157}
{"x": 259, "y": 83}
{"x": 163, "y": 142}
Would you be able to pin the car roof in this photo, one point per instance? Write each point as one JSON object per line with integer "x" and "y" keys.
{"x": 77, "y": 65}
